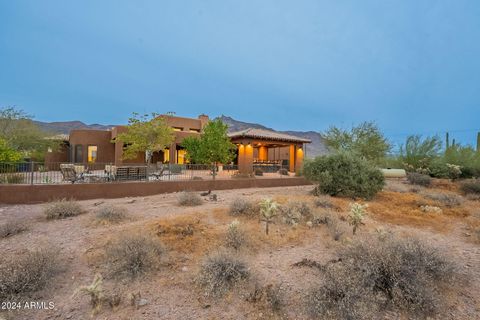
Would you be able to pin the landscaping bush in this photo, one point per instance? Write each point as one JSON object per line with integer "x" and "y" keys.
{"x": 419, "y": 179}
{"x": 189, "y": 199}
{"x": 470, "y": 186}
{"x": 242, "y": 207}
{"x": 258, "y": 172}
{"x": 345, "y": 175}
{"x": 405, "y": 274}
{"x": 11, "y": 228}
{"x": 62, "y": 209}
{"x": 111, "y": 214}
{"x": 220, "y": 272}
{"x": 26, "y": 273}
{"x": 235, "y": 237}
{"x": 133, "y": 255}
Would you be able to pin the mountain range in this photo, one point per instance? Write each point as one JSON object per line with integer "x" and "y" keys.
{"x": 317, "y": 147}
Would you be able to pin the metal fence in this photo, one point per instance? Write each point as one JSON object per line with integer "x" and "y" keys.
{"x": 57, "y": 173}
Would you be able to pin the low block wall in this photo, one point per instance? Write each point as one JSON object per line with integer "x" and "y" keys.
{"x": 25, "y": 194}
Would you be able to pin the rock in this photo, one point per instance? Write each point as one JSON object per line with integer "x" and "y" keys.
{"x": 184, "y": 269}
{"x": 309, "y": 224}
{"x": 142, "y": 302}
{"x": 131, "y": 201}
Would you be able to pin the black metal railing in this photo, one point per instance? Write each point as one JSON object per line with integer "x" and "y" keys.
{"x": 61, "y": 172}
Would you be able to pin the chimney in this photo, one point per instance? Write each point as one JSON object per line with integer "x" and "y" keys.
{"x": 203, "y": 119}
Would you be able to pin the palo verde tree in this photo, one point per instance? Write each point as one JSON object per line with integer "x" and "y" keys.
{"x": 212, "y": 147}
{"x": 365, "y": 140}
{"x": 145, "y": 133}
{"x": 20, "y": 133}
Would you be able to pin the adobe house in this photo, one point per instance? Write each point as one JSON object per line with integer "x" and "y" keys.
{"x": 254, "y": 146}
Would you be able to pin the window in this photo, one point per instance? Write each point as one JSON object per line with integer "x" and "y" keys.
{"x": 177, "y": 129}
{"x": 78, "y": 153}
{"x": 195, "y": 130}
{"x": 92, "y": 153}
{"x": 181, "y": 156}
{"x": 166, "y": 155}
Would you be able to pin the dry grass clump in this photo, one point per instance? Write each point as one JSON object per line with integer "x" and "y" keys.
{"x": 343, "y": 295}
{"x": 295, "y": 212}
{"x": 26, "y": 273}
{"x": 189, "y": 199}
{"x": 133, "y": 255}
{"x": 323, "y": 201}
{"x": 236, "y": 238}
{"x": 471, "y": 186}
{"x": 242, "y": 207}
{"x": 270, "y": 296}
{"x": 419, "y": 179}
{"x": 404, "y": 274}
{"x": 12, "y": 227}
{"x": 111, "y": 214}
{"x": 61, "y": 209}
{"x": 220, "y": 271}
{"x": 447, "y": 199}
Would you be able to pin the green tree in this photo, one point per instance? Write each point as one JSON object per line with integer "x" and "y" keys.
{"x": 145, "y": 134}
{"x": 417, "y": 154}
{"x": 8, "y": 154}
{"x": 365, "y": 140}
{"x": 212, "y": 147}
{"x": 22, "y": 134}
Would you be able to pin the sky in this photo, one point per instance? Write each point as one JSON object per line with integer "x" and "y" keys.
{"x": 412, "y": 66}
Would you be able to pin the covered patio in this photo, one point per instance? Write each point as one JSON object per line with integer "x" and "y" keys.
{"x": 268, "y": 150}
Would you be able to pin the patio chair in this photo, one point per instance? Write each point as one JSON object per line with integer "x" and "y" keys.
{"x": 69, "y": 173}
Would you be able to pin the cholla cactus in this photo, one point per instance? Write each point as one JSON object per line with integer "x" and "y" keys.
{"x": 357, "y": 213}
{"x": 94, "y": 291}
{"x": 454, "y": 171}
{"x": 268, "y": 210}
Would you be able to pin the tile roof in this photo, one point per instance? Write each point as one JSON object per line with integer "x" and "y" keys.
{"x": 266, "y": 134}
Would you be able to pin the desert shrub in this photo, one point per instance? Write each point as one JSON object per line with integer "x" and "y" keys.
{"x": 470, "y": 186}
{"x": 242, "y": 207}
{"x": 133, "y": 255}
{"x": 26, "y": 273}
{"x": 111, "y": 214}
{"x": 236, "y": 237}
{"x": 446, "y": 199}
{"x": 419, "y": 179}
{"x": 335, "y": 228}
{"x": 11, "y": 228}
{"x": 294, "y": 212}
{"x": 283, "y": 172}
{"x": 417, "y": 154}
{"x": 403, "y": 273}
{"x": 323, "y": 201}
{"x": 271, "y": 296}
{"x": 220, "y": 271}
{"x": 189, "y": 199}
{"x": 343, "y": 295}
{"x": 343, "y": 174}
{"x": 64, "y": 208}
{"x": 258, "y": 172}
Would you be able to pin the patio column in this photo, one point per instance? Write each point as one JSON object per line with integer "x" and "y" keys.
{"x": 245, "y": 158}
{"x": 299, "y": 158}
{"x": 291, "y": 153}
{"x": 173, "y": 153}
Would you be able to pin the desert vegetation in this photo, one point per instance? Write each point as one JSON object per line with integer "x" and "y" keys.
{"x": 189, "y": 199}
{"x": 61, "y": 209}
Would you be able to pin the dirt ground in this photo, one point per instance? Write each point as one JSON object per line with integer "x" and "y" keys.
{"x": 170, "y": 292}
